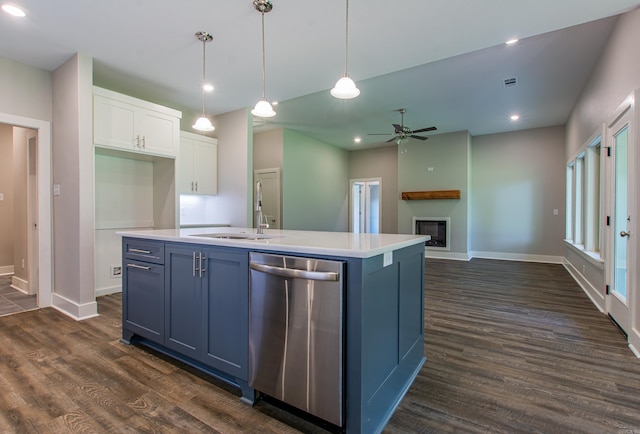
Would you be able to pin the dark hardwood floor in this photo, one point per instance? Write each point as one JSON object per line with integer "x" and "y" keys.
{"x": 512, "y": 347}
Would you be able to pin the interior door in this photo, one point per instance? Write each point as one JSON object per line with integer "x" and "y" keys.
{"x": 270, "y": 179}
{"x": 619, "y": 256}
{"x": 32, "y": 192}
{"x": 365, "y": 205}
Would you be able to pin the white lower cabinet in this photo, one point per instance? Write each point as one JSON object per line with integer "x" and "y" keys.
{"x": 198, "y": 164}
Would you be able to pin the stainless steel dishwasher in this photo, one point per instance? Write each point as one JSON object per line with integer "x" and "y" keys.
{"x": 295, "y": 332}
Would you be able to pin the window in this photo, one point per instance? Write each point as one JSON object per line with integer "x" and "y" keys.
{"x": 569, "y": 204}
{"x": 584, "y": 202}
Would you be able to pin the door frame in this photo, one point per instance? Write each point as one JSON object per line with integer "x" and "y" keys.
{"x": 365, "y": 180}
{"x": 278, "y": 208}
{"x": 32, "y": 211}
{"x": 630, "y": 321}
{"x": 45, "y": 209}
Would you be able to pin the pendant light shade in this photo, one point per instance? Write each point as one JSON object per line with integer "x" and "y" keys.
{"x": 345, "y": 88}
{"x": 263, "y": 109}
{"x": 203, "y": 123}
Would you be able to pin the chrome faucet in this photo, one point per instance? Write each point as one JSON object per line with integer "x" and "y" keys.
{"x": 260, "y": 226}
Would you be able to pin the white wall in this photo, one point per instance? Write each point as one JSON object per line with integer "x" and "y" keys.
{"x": 233, "y": 204}
{"x": 517, "y": 181}
{"x": 26, "y": 91}
{"x": 73, "y": 171}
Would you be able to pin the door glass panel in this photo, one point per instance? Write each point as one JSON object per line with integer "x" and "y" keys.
{"x": 620, "y": 215}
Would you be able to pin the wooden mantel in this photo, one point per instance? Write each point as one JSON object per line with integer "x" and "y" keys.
{"x": 428, "y": 195}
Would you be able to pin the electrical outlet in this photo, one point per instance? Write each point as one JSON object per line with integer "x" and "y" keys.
{"x": 584, "y": 268}
{"x": 23, "y": 263}
{"x": 116, "y": 271}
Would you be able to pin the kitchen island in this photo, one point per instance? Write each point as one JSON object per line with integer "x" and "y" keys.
{"x": 186, "y": 293}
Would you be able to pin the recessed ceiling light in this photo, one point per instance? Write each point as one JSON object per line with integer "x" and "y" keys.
{"x": 512, "y": 41}
{"x": 208, "y": 87}
{"x": 357, "y": 139}
{"x": 515, "y": 117}
{"x": 274, "y": 102}
{"x": 13, "y": 10}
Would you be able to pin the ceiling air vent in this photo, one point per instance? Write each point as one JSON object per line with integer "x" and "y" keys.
{"x": 510, "y": 82}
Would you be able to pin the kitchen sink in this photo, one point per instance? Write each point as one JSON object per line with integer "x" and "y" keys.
{"x": 238, "y": 236}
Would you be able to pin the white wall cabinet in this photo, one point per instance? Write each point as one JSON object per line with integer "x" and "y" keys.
{"x": 198, "y": 164}
{"x": 127, "y": 123}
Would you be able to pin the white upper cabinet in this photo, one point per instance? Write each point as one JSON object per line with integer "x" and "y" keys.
{"x": 126, "y": 123}
{"x": 198, "y": 164}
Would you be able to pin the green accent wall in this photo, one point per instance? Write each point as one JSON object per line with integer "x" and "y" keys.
{"x": 315, "y": 184}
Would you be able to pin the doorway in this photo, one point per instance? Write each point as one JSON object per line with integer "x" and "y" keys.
{"x": 620, "y": 267}
{"x": 270, "y": 179}
{"x": 365, "y": 205}
{"x": 41, "y": 182}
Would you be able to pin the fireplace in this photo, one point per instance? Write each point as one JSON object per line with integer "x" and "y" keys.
{"x": 437, "y": 228}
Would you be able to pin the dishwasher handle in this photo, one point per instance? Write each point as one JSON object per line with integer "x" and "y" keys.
{"x": 294, "y": 273}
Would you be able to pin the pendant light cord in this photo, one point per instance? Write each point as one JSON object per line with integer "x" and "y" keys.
{"x": 263, "y": 60}
{"x": 346, "y": 40}
{"x": 204, "y": 75}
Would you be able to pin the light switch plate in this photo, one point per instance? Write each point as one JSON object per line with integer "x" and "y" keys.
{"x": 387, "y": 259}
{"x": 1, "y": 196}
{"x": 56, "y": 189}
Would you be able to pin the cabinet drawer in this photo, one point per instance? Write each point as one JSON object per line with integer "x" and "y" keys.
{"x": 143, "y": 250}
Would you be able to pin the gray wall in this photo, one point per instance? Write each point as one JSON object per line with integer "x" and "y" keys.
{"x": 615, "y": 77}
{"x": 268, "y": 149}
{"x": 72, "y": 150}
{"x": 315, "y": 184}
{"x": 380, "y": 163}
{"x": 449, "y": 156}
{"x": 517, "y": 181}
{"x": 26, "y": 91}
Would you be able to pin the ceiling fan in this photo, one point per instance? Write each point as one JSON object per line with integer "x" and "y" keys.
{"x": 403, "y": 132}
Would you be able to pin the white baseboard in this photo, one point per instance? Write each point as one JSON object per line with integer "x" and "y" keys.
{"x": 446, "y": 255}
{"x": 6, "y": 269}
{"x": 518, "y": 257}
{"x": 108, "y": 290}
{"x": 592, "y": 292}
{"x": 74, "y": 310}
{"x": 20, "y": 284}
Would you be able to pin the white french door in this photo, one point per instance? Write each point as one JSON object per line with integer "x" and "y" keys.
{"x": 365, "y": 205}
{"x": 620, "y": 258}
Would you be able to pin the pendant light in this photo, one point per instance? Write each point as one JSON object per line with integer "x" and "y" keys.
{"x": 203, "y": 123}
{"x": 263, "y": 109}
{"x": 345, "y": 88}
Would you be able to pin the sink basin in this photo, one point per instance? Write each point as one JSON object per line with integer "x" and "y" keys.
{"x": 238, "y": 236}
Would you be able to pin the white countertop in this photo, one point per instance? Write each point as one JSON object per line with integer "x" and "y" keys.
{"x": 345, "y": 244}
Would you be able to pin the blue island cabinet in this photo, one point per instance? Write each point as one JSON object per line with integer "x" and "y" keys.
{"x": 203, "y": 313}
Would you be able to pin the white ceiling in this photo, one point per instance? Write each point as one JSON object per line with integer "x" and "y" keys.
{"x": 444, "y": 61}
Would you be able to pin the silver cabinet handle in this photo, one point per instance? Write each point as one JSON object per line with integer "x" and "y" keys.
{"x": 138, "y": 141}
{"x": 192, "y": 188}
{"x": 196, "y": 185}
{"x": 146, "y": 252}
{"x": 295, "y": 273}
{"x": 194, "y": 264}
{"x": 625, "y": 234}
{"x": 140, "y": 267}
{"x": 202, "y": 269}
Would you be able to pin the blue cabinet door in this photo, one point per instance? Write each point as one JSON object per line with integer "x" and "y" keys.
{"x": 143, "y": 300}
{"x": 183, "y": 300}
{"x": 226, "y": 310}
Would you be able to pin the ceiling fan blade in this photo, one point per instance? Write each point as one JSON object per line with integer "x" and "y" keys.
{"x": 397, "y": 127}
{"x": 392, "y": 139}
{"x": 422, "y": 130}
{"x": 419, "y": 137}
{"x": 378, "y": 134}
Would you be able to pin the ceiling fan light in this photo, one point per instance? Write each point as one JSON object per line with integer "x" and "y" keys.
{"x": 263, "y": 109}
{"x": 345, "y": 88}
{"x": 203, "y": 124}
